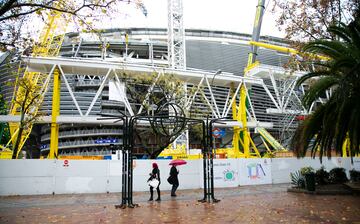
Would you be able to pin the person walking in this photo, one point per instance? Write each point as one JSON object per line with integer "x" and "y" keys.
{"x": 174, "y": 180}
{"x": 155, "y": 174}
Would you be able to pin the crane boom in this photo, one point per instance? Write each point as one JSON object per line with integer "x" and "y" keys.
{"x": 49, "y": 45}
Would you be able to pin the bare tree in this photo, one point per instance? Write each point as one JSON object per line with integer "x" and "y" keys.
{"x": 16, "y": 15}
{"x": 27, "y": 98}
{"x": 166, "y": 88}
{"x": 304, "y": 20}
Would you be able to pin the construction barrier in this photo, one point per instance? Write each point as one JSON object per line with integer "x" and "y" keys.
{"x": 29, "y": 177}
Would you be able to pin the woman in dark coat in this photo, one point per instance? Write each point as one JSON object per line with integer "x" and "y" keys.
{"x": 155, "y": 174}
{"x": 174, "y": 180}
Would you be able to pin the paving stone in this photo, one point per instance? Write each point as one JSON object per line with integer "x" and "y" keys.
{"x": 249, "y": 204}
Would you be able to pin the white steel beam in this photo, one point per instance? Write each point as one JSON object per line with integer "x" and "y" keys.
{"x": 126, "y": 101}
{"x": 98, "y": 92}
{"x": 212, "y": 96}
{"x": 270, "y": 95}
{"x": 100, "y": 68}
{"x": 70, "y": 91}
{"x": 291, "y": 92}
{"x": 211, "y": 107}
{"x": 272, "y": 79}
{"x": 150, "y": 89}
{"x": 192, "y": 98}
{"x": 226, "y": 102}
{"x": 232, "y": 100}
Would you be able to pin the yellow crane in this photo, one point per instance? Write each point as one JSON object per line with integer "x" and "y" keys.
{"x": 49, "y": 45}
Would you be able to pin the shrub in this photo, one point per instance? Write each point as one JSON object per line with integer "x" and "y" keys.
{"x": 321, "y": 176}
{"x": 337, "y": 175}
{"x": 305, "y": 170}
{"x": 297, "y": 179}
{"x": 354, "y": 175}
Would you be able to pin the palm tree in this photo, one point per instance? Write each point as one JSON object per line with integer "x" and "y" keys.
{"x": 339, "y": 118}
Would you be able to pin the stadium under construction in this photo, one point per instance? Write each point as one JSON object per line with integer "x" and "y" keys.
{"x": 212, "y": 66}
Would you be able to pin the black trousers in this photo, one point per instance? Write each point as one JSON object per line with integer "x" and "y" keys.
{"x": 173, "y": 189}
{"x": 152, "y": 192}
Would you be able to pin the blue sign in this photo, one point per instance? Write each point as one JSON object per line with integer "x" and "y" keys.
{"x": 102, "y": 141}
{"x": 44, "y": 146}
{"x": 218, "y": 133}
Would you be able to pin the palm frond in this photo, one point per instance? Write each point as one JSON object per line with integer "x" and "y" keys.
{"x": 337, "y": 120}
{"x": 332, "y": 49}
{"x": 342, "y": 32}
{"x": 310, "y": 75}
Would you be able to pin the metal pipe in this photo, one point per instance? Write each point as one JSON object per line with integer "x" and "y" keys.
{"x": 256, "y": 30}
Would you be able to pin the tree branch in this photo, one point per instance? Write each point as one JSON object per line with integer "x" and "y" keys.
{"x": 6, "y": 7}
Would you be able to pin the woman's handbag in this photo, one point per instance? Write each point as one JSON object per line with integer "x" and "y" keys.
{"x": 170, "y": 180}
{"x": 154, "y": 182}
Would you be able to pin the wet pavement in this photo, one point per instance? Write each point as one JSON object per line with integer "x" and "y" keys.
{"x": 248, "y": 204}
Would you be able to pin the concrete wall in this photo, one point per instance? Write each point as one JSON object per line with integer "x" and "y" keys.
{"x": 29, "y": 177}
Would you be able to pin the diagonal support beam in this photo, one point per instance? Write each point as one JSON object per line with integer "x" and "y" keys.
{"x": 290, "y": 93}
{"x": 212, "y": 96}
{"x": 273, "y": 82}
{"x": 270, "y": 95}
{"x": 126, "y": 101}
{"x": 70, "y": 91}
{"x": 211, "y": 107}
{"x": 98, "y": 92}
{"x": 233, "y": 99}
{"x": 226, "y": 102}
{"x": 191, "y": 99}
{"x": 151, "y": 88}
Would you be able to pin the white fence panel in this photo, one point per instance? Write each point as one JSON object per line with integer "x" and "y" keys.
{"x": 226, "y": 173}
{"x": 114, "y": 176}
{"x": 29, "y": 177}
{"x": 26, "y": 177}
{"x": 282, "y": 167}
{"x": 81, "y": 176}
{"x": 188, "y": 174}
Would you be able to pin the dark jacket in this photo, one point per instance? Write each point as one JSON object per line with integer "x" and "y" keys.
{"x": 174, "y": 175}
{"x": 155, "y": 173}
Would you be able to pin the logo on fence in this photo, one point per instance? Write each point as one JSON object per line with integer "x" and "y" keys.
{"x": 229, "y": 175}
{"x": 255, "y": 171}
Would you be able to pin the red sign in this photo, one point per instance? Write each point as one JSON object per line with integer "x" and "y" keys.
{"x": 66, "y": 163}
{"x": 218, "y": 133}
{"x": 300, "y": 117}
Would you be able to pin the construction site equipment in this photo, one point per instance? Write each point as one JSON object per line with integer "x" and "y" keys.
{"x": 49, "y": 45}
{"x": 241, "y": 137}
{"x": 270, "y": 139}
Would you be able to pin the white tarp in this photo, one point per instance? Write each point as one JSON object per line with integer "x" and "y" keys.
{"x": 116, "y": 91}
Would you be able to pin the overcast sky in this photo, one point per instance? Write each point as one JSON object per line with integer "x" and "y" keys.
{"x": 224, "y": 15}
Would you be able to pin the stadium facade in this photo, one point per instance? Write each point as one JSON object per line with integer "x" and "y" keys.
{"x": 205, "y": 50}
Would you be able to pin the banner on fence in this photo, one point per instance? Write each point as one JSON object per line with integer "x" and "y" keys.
{"x": 254, "y": 171}
{"x": 226, "y": 173}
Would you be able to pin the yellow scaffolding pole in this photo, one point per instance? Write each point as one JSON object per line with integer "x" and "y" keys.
{"x": 55, "y": 112}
